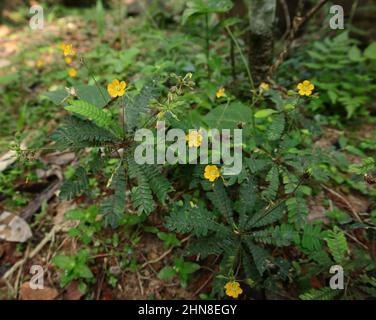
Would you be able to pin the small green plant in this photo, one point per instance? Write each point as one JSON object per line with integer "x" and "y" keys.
{"x": 324, "y": 60}
{"x": 75, "y": 268}
{"x": 183, "y": 269}
{"x": 89, "y": 223}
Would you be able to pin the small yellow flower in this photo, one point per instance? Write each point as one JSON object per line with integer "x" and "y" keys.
{"x": 264, "y": 86}
{"x": 116, "y": 88}
{"x": 68, "y": 50}
{"x": 220, "y": 93}
{"x": 211, "y": 173}
{"x": 62, "y": 46}
{"x": 68, "y": 60}
{"x": 194, "y": 139}
{"x": 39, "y": 64}
{"x": 305, "y": 88}
{"x": 233, "y": 289}
{"x": 72, "y": 72}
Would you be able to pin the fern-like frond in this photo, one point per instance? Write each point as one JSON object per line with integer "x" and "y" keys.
{"x": 297, "y": 210}
{"x": 142, "y": 198}
{"x": 75, "y": 185}
{"x": 221, "y": 201}
{"x": 282, "y": 235}
{"x": 261, "y": 257}
{"x": 191, "y": 218}
{"x": 77, "y": 133}
{"x": 140, "y": 105}
{"x": 101, "y": 117}
{"x": 337, "y": 244}
{"x": 273, "y": 178}
{"x": 320, "y": 294}
{"x": 114, "y": 206}
{"x": 266, "y": 217}
{"x": 276, "y": 128}
{"x": 246, "y": 203}
{"x": 157, "y": 182}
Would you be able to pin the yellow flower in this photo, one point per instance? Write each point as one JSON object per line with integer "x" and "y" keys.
{"x": 72, "y": 72}
{"x": 220, "y": 93}
{"x": 68, "y": 50}
{"x": 305, "y": 88}
{"x": 39, "y": 63}
{"x": 194, "y": 139}
{"x": 233, "y": 289}
{"x": 116, "y": 88}
{"x": 68, "y": 60}
{"x": 62, "y": 46}
{"x": 264, "y": 86}
{"x": 211, "y": 173}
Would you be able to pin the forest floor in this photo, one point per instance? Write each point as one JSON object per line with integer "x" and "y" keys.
{"x": 30, "y": 188}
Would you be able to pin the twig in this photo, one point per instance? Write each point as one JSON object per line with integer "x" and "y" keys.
{"x": 346, "y": 202}
{"x": 37, "y": 202}
{"x": 203, "y": 285}
{"x": 356, "y": 240}
{"x": 39, "y": 247}
{"x": 163, "y": 254}
{"x": 140, "y": 283}
{"x": 17, "y": 283}
{"x": 297, "y": 24}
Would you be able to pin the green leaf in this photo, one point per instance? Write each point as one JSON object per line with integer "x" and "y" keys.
{"x": 221, "y": 201}
{"x": 166, "y": 273}
{"x": 94, "y": 95}
{"x": 57, "y": 96}
{"x": 260, "y": 256}
{"x": 337, "y": 244}
{"x": 64, "y": 262}
{"x": 355, "y": 54}
{"x": 269, "y": 216}
{"x": 200, "y": 7}
{"x": 264, "y": 113}
{"x": 114, "y": 206}
{"x": 276, "y": 128}
{"x": 74, "y": 186}
{"x": 228, "y": 116}
{"x": 101, "y": 117}
{"x": 312, "y": 237}
{"x": 370, "y": 51}
{"x": 140, "y": 105}
{"x": 195, "y": 219}
{"x": 83, "y": 271}
{"x": 189, "y": 267}
{"x": 320, "y": 294}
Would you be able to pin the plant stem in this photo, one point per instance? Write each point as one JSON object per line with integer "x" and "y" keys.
{"x": 92, "y": 76}
{"x": 207, "y": 36}
{"x": 242, "y": 56}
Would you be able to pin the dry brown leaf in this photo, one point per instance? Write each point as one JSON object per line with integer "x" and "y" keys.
{"x": 47, "y": 293}
{"x": 73, "y": 293}
{"x": 13, "y": 228}
{"x": 59, "y": 158}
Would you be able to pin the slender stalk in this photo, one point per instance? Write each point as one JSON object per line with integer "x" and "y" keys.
{"x": 123, "y": 116}
{"x": 92, "y": 76}
{"x": 207, "y": 36}
{"x": 242, "y": 57}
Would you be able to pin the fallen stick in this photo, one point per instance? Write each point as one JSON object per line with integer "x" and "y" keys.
{"x": 32, "y": 254}
{"x": 37, "y": 202}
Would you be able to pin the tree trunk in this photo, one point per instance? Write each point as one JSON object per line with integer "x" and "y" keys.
{"x": 261, "y": 40}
